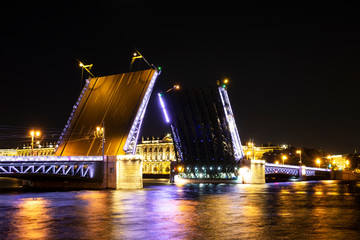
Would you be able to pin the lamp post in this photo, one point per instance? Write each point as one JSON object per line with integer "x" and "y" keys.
{"x": 318, "y": 161}
{"x": 33, "y": 134}
{"x": 100, "y": 132}
{"x": 283, "y": 159}
{"x": 175, "y": 87}
{"x": 299, "y": 152}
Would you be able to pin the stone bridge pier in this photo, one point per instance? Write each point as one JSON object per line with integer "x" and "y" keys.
{"x": 122, "y": 172}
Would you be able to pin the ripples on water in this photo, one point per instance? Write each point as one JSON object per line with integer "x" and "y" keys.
{"x": 300, "y": 210}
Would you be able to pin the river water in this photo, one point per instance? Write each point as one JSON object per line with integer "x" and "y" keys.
{"x": 296, "y": 210}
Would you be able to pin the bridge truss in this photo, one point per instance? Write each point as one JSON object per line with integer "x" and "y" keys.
{"x": 271, "y": 168}
{"x": 51, "y": 166}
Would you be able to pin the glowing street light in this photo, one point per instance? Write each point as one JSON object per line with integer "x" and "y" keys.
{"x": 33, "y": 134}
{"x": 284, "y": 158}
{"x": 222, "y": 83}
{"x": 175, "y": 87}
{"x": 318, "y": 161}
{"x": 299, "y": 152}
{"x": 86, "y": 67}
{"x": 100, "y": 132}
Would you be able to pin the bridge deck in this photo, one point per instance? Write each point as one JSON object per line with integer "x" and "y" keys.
{"x": 119, "y": 100}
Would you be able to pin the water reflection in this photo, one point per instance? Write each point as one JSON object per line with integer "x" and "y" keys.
{"x": 303, "y": 210}
{"x": 31, "y": 220}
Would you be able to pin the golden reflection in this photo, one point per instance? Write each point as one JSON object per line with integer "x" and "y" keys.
{"x": 32, "y": 219}
{"x": 95, "y": 213}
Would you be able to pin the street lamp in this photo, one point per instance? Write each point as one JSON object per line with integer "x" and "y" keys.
{"x": 284, "y": 158}
{"x": 87, "y": 68}
{"x": 299, "y": 152}
{"x": 318, "y": 161}
{"x": 100, "y": 132}
{"x": 33, "y": 134}
{"x": 175, "y": 87}
{"x": 222, "y": 83}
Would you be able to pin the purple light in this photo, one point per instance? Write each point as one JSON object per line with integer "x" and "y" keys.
{"x": 163, "y": 108}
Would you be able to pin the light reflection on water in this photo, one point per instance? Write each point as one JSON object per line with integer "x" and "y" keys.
{"x": 301, "y": 210}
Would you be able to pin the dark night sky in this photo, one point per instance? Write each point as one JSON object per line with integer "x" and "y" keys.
{"x": 294, "y": 69}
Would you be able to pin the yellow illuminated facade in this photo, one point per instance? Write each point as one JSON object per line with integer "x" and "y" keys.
{"x": 338, "y": 162}
{"x": 157, "y": 154}
{"x": 253, "y": 152}
{"x": 39, "y": 150}
{"x": 8, "y": 152}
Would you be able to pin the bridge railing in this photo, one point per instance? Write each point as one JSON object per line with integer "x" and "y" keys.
{"x": 292, "y": 169}
{"x": 49, "y": 158}
{"x": 53, "y": 166}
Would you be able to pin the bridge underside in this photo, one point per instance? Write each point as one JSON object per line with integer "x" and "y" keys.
{"x": 119, "y": 101}
{"x": 201, "y": 128}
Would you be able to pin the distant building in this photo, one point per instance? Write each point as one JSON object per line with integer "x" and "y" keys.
{"x": 253, "y": 152}
{"x": 338, "y": 162}
{"x": 25, "y": 150}
{"x": 8, "y": 152}
{"x": 157, "y": 154}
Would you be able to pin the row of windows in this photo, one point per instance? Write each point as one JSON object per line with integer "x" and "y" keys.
{"x": 36, "y": 153}
{"x": 156, "y": 149}
{"x": 156, "y": 156}
{"x": 156, "y": 168}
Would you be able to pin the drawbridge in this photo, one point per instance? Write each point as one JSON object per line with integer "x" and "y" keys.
{"x": 114, "y": 104}
{"x": 118, "y": 104}
{"x": 205, "y": 134}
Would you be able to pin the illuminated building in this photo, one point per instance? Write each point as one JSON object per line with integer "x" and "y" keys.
{"x": 338, "y": 162}
{"x": 254, "y": 152}
{"x": 8, "y": 152}
{"x": 157, "y": 154}
{"x": 39, "y": 150}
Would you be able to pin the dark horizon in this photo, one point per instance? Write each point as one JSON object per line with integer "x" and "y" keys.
{"x": 293, "y": 68}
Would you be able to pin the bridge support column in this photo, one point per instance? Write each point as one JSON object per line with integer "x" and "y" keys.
{"x": 123, "y": 172}
{"x": 302, "y": 173}
{"x": 257, "y": 171}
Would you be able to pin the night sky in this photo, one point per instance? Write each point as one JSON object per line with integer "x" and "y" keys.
{"x": 294, "y": 69}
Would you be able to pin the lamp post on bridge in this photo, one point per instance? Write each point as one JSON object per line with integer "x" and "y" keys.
{"x": 299, "y": 152}
{"x": 100, "y": 132}
{"x": 33, "y": 134}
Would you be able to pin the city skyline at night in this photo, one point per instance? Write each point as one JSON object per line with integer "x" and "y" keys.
{"x": 293, "y": 71}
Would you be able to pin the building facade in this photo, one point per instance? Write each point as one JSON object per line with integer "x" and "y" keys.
{"x": 39, "y": 150}
{"x": 157, "y": 154}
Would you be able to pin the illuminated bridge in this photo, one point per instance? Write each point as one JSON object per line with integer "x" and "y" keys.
{"x": 296, "y": 171}
{"x": 206, "y": 139}
{"x": 116, "y": 104}
{"x": 53, "y": 167}
{"x": 117, "y": 101}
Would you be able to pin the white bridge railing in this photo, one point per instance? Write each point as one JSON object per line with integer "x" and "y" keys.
{"x": 71, "y": 166}
{"x": 271, "y": 168}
